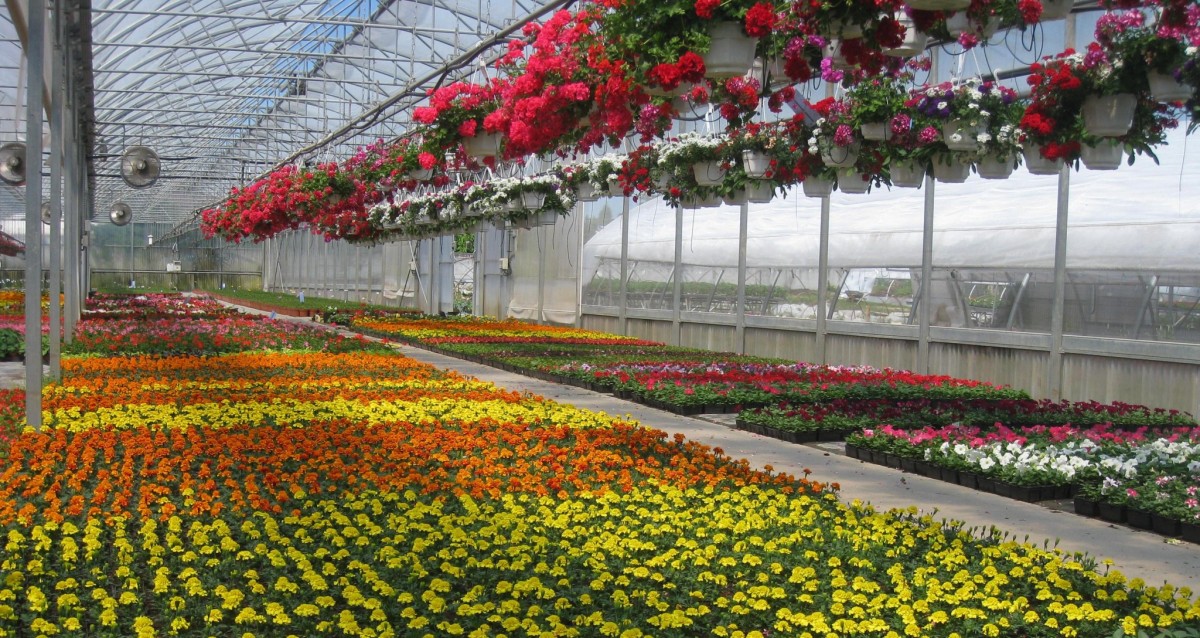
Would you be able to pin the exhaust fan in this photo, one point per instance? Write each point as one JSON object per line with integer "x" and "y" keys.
{"x": 120, "y": 214}
{"x": 140, "y": 167}
{"x": 12, "y": 163}
{"x": 47, "y": 213}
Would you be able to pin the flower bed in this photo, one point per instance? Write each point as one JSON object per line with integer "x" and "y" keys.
{"x": 1152, "y": 470}
{"x": 477, "y": 511}
{"x": 844, "y": 415}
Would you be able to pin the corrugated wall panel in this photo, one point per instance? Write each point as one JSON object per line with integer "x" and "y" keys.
{"x": 786, "y": 344}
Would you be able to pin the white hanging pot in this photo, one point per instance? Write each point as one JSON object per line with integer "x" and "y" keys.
{"x": 1165, "y": 88}
{"x": 1109, "y": 115}
{"x": 614, "y": 187}
{"x": 958, "y": 24}
{"x": 658, "y": 91}
{"x": 842, "y": 29}
{"x": 951, "y": 170}
{"x": 755, "y": 163}
{"x": 513, "y": 205}
{"x": 735, "y": 198}
{"x": 695, "y": 201}
{"x": 472, "y": 211}
{"x": 533, "y": 200}
{"x": 1056, "y": 9}
{"x": 841, "y": 156}
{"x": 907, "y": 174}
{"x": 914, "y": 41}
{"x": 760, "y": 191}
{"x": 993, "y": 166}
{"x": 817, "y": 186}
{"x": 730, "y": 52}
{"x": 876, "y": 131}
{"x": 547, "y": 218}
{"x": 525, "y": 223}
{"x": 662, "y": 182}
{"x": 586, "y": 192}
{"x": 833, "y": 51}
{"x": 420, "y": 174}
{"x": 850, "y": 181}
{"x": 939, "y": 5}
{"x": 961, "y": 136}
{"x": 1106, "y": 155}
{"x": 1038, "y": 165}
{"x": 708, "y": 173}
{"x": 483, "y": 145}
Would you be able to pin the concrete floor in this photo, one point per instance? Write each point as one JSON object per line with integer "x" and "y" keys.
{"x": 1136, "y": 553}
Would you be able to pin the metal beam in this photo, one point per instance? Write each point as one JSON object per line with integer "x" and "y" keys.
{"x": 282, "y": 53}
{"x": 233, "y": 76}
{"x": 260, "y": 18}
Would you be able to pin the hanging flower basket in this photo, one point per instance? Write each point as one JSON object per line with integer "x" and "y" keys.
{"x": 1109, "y": 115}
{"x": 914, "y": 41}
{"x": 734, "y": 198}
{"x": 695, "y": 201}
{"x": 759, "y": 191}
{"x": 533, "y": 200}
{"x": 994, "y": 167}
{"x": 513, "y": 206}
{"x": 907, "y": 174}
{"x": 709, "y": 173}
{"x": 841, "y": 156}
{"x": 833, "y": 51}
{"x": 420, "y": 174}
{"x": 876, "y": 131}
{"x": 586, "y": 192}
{"x": 525, "y": 223}
{"x": 961, "y": 136}
{"x": 939, "y": 5}
{"x": 817, "y": 186}
{"x": 483, "y": 145}
{"x": 958, "y": 24}
{"x": 547, "y": 218}
{"x": 473, "y": 211}
{"x": 755, "y": 163}
{"x": 1104, "y": 156}
{"x": 1056, "y": 9}
{"x": 614, "y": 187}
{"x": 842, "y": 29}
{"x": 658, "y": 91}
{"x": 951, "y": 170}
{"x": 1165, "y": 88}
{"x": 1039, "y": 165}
{"x": 730, "y": 53}
{"x": 850, "y": 181}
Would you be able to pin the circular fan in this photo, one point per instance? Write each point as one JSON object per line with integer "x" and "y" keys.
{"x": 140, "y": 167}
{"x": 12, "y": 163}
{"x": 47, "y": 213}
{"x": 120, "y": 214}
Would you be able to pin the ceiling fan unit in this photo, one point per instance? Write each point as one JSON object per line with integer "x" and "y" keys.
{"x": 120, "y": 214}
{"x": 140, "y": 167}
{"x": 12, "y": 163}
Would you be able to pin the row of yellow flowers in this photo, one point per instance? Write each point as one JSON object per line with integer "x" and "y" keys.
{"x": 363, "y": 494}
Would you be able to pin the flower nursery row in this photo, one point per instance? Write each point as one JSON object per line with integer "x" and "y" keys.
{"x": 433, "y": 504}
{"x": 12, "y": 325}
{"x": 784, "y": 394}
{"x": 612, "y": 69}
{"x": 1142, "y": 474}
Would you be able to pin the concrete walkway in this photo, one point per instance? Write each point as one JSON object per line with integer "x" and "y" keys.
{"x": 1136, "y": 553}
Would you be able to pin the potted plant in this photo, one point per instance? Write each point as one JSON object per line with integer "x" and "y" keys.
{"x": 460, "y": 112}
{"x": 873, "y": 102}
{"x": 1145, "y": 50}
{"x": 833, "y": 136}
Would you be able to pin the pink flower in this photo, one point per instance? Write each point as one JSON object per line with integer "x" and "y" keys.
{"x": 928, "y": 135}
{"x": 844, "y": 135}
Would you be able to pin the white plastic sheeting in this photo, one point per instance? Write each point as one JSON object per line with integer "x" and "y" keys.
{"x": 1143, "y": 217}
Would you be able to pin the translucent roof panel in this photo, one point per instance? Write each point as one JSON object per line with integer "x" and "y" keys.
{"x": 223, "y": 90}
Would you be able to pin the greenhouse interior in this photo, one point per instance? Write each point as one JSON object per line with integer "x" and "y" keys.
{"x": 600, "y": 318}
